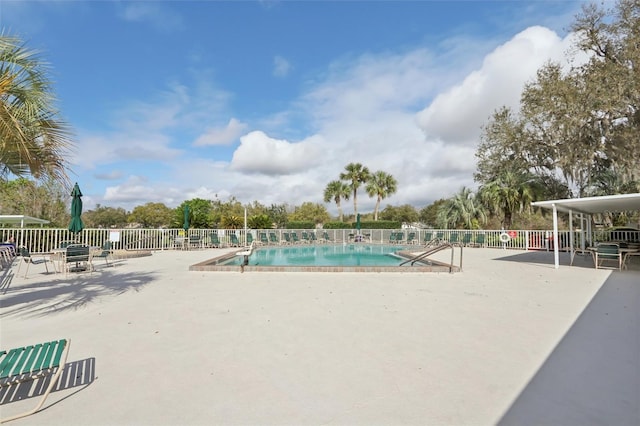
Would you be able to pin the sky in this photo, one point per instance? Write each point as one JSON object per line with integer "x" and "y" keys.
{"x": 268, "y": 101}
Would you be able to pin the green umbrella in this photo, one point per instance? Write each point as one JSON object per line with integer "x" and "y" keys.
{"x": 185, "y": 211}
{"x": 76, "y": 225}
{"x": 358, "y": 222}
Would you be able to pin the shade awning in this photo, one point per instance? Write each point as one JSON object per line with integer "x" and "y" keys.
{"x": 592, "y": 205}
{"x": 22, "y": 220}
{"x": 586, "y": 205}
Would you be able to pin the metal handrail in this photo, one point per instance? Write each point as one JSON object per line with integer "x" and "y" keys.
{"x": 441, "y": 246}
{"x": 128, "y": 246}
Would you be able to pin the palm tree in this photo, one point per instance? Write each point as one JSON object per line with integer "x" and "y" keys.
{"x": 33, "y": 139}
{"x": 337, "y": 191}
{"x": 461, "y": 209}
{"x": 609, "y": 182}
{"x": 509, "y": 192}
{"x": 381, "y": 185}
{"x": 355, "y": 174}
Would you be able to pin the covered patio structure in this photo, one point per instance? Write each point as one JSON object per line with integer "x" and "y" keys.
{"x": 22, "y": 220}
{"x": 585, "y": 207}
{"x": 19, "y": 221}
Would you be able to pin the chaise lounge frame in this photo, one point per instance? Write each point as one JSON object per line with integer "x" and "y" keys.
{"x": 32, "y": 363}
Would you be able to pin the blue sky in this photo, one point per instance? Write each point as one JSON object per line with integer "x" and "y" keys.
{"x": 269, "y": 100}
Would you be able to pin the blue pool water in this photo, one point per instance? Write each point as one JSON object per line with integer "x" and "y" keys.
{"x": 324, "y": 255}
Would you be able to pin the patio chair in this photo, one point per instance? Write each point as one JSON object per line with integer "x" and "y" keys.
{"x": 195, "y": 241}
{"x": 273, "y": 238}
{"x": 77, "y": 258}
{"x": 33, "y": 362}
{"x": 7, "y": 254}
{"x": 249, "y": 238}
{"x": 608, "y": 253}
{"x": 305, "y": 237}
{"x": 294, "y": 238}
{"x": 626, "y": 259}
{"x": 263, "y": 238}
{"x": 453, "y": 238}
{"x": 103, "y": 253}
{"x": 234, "y": 240}
{"x": 411, "y": 238}
{"x": 30, "y": 260}
{"x": 287, "y": 238}
{"x": 214, "y": 241}
{"x": 325, "y": 237}
{"x": 428, "y": 236}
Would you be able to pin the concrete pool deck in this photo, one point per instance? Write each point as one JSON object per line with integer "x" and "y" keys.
{"x": 510, "y": 340}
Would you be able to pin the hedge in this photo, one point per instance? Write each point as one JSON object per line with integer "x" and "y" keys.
{"x": 301, "y": 225}
{"x": 380, "y": 224}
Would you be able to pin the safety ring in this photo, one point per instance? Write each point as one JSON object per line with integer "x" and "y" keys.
{"x": 504, "y": 237}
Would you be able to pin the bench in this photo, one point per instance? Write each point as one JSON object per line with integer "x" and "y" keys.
{"x": 32, "y": 363}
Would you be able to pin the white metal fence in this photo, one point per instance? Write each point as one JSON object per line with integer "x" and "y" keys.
{"x": 47, "y": 239}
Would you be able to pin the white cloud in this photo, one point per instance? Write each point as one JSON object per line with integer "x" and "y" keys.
{"x": 281, "y": 66}
{"x": 406, "y": 113}
{"x": 96, "y": 150}
{"x": 111, "y": 175}
{"x": 146, "y": 131}
{"x": 366, "y": 111}
{"x": 258, "y": 153}
{"x": 456, "y": 115}
{"x": 222, "y": 136}
{"x": 155, "y": 13}
{"x": 371, "y": 85}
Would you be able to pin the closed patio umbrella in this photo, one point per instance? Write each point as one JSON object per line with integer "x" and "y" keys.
{"x": 76, "y": 225}
{"x": 358, "y": 223}
{"x": 185, "y": 212}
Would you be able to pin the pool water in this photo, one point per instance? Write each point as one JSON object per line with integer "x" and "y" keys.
{"x": 324, "y": 255}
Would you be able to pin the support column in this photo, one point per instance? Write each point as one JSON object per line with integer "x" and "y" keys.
{"x": 556, "y": 254}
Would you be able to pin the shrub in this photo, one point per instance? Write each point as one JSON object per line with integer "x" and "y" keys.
{"x": 301, "y": 225}
{"x": 380, "y": 224}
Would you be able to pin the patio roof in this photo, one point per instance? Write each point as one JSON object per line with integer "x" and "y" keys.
{"x": 22, "y": 220}
{"x": 587, "y": 205}
{"x": 591, "y": 205}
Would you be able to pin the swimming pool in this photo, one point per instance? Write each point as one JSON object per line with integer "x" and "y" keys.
{"x": 358, "y": 257}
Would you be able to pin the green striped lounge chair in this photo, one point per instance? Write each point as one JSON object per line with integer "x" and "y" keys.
{"x": 411, "y": 238}
{"x": 428, "y": 236}
{"x": 287, "y": 238}
{"x": 30, "y": 363}
{"x": 214, "y": 241}
{"x": 392, "y": 238}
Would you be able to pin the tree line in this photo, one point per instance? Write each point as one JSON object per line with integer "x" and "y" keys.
{"x": 576, "y": 133}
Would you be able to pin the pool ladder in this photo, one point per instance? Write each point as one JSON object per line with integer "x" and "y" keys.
{"x": 435, "y": 249}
